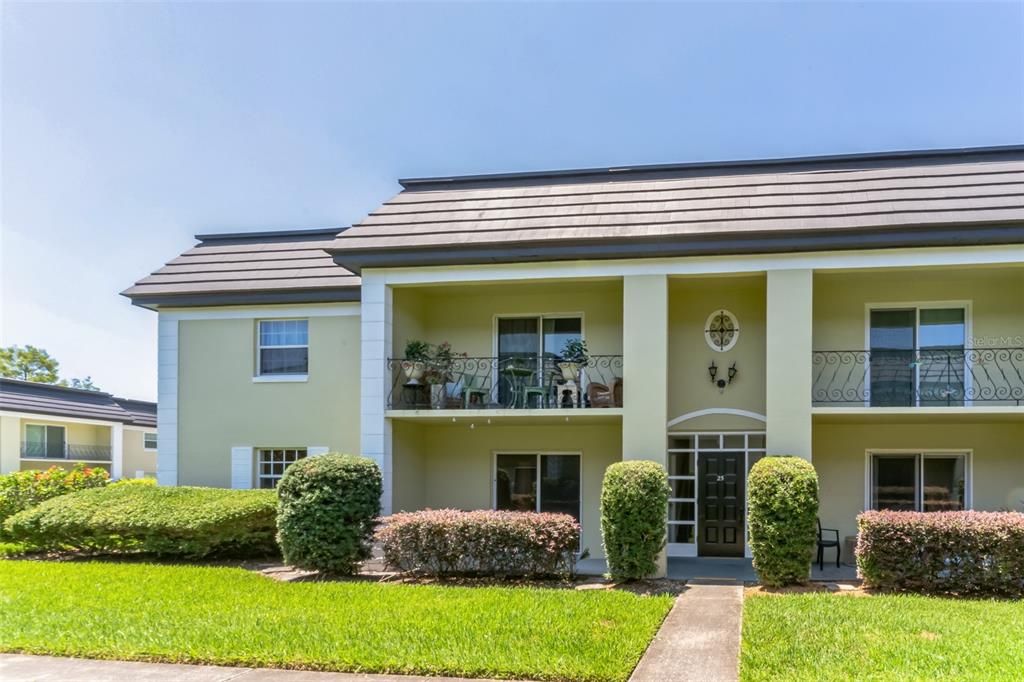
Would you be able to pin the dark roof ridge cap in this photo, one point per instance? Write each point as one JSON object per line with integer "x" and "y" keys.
{"x": 78, "y": 391}
{"x": 595, "y": 174}
{"x": 56, "y": 387}
{"x": 266, "y": 234}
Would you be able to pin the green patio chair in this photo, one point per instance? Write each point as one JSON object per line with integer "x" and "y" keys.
{"x": 473, "y": 385}
{"x": 542, "y": 389}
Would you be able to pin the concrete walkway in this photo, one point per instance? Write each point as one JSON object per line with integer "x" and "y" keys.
{"x": 22, "y": 668}
{"x": 700, "y": 638}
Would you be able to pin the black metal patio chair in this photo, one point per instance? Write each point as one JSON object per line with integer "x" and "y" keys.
{"x": 824, "y": 544}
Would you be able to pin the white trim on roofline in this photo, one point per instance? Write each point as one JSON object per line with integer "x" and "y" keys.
{"x": 717, "y": 411}
{"x": 703, "y": 265}
{"x": 254, "y": 312}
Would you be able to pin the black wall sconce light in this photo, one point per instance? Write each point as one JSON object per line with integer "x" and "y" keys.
{"x": 722, "y": 383}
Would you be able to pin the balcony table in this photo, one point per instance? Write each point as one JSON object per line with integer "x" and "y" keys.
{"x": 516, "y": 376}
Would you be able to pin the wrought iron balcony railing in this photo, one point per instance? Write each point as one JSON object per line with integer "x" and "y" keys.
{"x": 505, "y": 383}
{"x": 918, "y": 378}
{"x": 99, "y": 453}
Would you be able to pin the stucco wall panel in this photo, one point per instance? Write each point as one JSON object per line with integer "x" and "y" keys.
{"x": 457, "y": 463}
{"x": 994, "y": 293}
{"x": 220, "y": 406}
{"x": 840, "y": 458}
{"x": 136, "y": 456}
{"x": 464, "y": 316}
{"x": 691, "y": 300}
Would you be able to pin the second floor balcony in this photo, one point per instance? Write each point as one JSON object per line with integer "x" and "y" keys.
{"x": 65, "y": 451}
{"x": 934, "y": 377}
{"x": 508, "y": 383}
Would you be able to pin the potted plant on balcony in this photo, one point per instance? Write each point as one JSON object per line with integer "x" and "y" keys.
{"x": 417, "y": 353}
{"x": 439, "y": 373}
{"x": 574, "y": 356}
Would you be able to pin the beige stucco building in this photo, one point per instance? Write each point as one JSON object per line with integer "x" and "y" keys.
{"x": 43, "y": 426}
{"x": 862, "y": 312}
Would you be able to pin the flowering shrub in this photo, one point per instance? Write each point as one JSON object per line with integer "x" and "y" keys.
{"x": 634, "y": 506}
{"x": 23, "y": 489}
{"x": 327, "y": 509}
{"x": 480, "y": 543}
{"x": 783, "y": 501}
{"x": 964, "y": 552}
{"x": 167, "y": 521}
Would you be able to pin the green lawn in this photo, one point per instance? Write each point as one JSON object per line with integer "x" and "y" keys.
{"x": 230, "y": 616}
{"x": 823, "y": 636}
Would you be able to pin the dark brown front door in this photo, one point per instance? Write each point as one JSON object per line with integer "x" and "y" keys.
{"x": 720, "y": 504}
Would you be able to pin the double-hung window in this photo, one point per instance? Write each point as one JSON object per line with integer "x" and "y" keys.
{"x": 149, "y": 440}
{"x": 538, "y": 482}
{"x": 918, "y": 357}
{"x": 271, "y": 463}
{"x": 919, "y": 482}
{"x": 283, "y": 348}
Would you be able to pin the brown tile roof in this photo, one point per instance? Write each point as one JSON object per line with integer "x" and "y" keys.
{"x": 60, "y": 401}
{"x": 264, "y": 267}
{"x": 897, "y": 199}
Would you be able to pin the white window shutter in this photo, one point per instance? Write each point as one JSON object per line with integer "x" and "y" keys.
{"x": 314, "y": 450}
{"x": 241, "y": 467}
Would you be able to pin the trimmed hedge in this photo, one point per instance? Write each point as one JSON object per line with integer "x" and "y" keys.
{"x": 968, "y": 552}
{"x": 782, "y": 495}
{"x": 166, "y": 521}
{"x": 326, "y": 513}
{"x": 634, "y": 506}
{"x": 24, "y": 489}
{"x": 447, "y": 542}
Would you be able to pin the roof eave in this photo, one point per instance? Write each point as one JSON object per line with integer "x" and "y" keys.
{"x": 195, "y": 300}
{"x": 674, "y": 246}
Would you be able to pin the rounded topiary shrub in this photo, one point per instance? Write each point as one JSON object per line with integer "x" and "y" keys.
{"x": 783, "y": 497}
{"x": 326, "y": 511}
{"x": 634, "y": 506}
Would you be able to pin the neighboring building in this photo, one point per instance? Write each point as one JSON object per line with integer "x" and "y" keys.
{"x": 863, "y": 312}
{"x": 42, "y": 425}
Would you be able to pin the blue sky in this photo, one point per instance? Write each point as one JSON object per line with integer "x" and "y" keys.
{"x": 126, "y": 129}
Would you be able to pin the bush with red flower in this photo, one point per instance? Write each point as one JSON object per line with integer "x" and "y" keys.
{"x": 23, "y": 489}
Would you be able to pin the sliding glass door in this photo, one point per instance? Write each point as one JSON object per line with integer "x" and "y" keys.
{"x": 918, "y": 357}
{"x": 44, "y": 441}
{"x": 538, "y": 482}
{"x": 529, "y": 344}
{"x": 919, "y": 482}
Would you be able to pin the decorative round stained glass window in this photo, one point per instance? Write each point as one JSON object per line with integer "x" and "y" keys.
{"x": 722, "y": 330}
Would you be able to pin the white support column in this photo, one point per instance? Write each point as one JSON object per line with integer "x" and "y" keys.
{"x": 645, "y": 372}
{"x": 167, "y": 401}
{"x": 375, "y": 431}
{"x": 10, "y": 444}
{"x": 116, "y": 451}
{"x": 789, "y": 372}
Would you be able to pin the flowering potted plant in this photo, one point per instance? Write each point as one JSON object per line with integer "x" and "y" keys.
{"x": 574, "y": 356}
{"x": 442, "y": 361}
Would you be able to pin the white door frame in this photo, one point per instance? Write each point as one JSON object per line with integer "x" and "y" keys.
{"x": 690, "y": 550}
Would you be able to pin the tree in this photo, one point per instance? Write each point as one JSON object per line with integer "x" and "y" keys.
{"x": 28, "y": 364}
{"x": 35, "y": 364}
{"x": 84, "y": 384}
